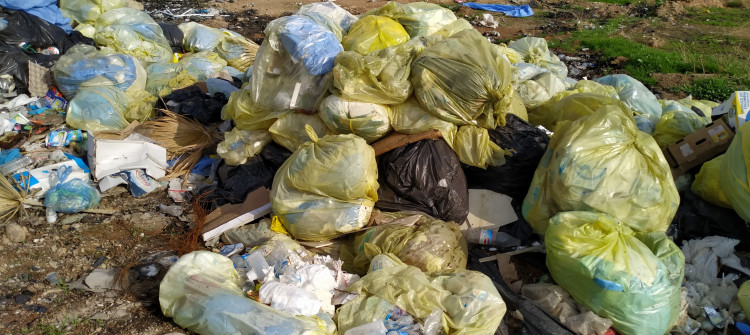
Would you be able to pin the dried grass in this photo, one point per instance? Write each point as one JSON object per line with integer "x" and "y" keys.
{"x": 11, "y": 200}
{"x": 189, "y": 242}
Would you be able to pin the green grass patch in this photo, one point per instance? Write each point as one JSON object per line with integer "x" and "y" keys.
{"x": 720, "y": 17}
{"x": 713, "y": 89}
{"x": 616, "y": 2}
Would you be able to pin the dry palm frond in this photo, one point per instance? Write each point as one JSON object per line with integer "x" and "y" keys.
{"x": 184, "y": 138}
{"x": 11, "y": 200}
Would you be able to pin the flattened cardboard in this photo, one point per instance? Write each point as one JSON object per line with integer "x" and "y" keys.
{"x": 396, "y": 140}
{"x": 256, "y": 204}
{"x": 488, "y": 209}
{"x": 698, "y": 147}
{"x": 107, "y": 157}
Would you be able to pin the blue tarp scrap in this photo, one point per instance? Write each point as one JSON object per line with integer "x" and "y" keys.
{"x": 44, "y": 9}
{"x": 510, "y": 10}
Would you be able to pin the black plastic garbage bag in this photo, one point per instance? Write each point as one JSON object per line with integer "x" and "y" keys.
{"x": 15, "y": 62}
{"x": 26, "y": 28}
{"x": 424, "y": 176}
{"x": 513, "y": 179}
{"x": 174, "y": 36}
{"x": 192, "y": 101}
{"x": 697, "y": 218}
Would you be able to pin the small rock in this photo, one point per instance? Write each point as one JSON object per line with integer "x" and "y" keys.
{"x": 99, "y": 261}
{"x": 21, "y": 299}
{"x": 36, "y": 308}
{"x": 72, "y": 219}
{"x": 54, "y": 278}
{"x": 15, "y": 232}
{"x": 53, "y": 264}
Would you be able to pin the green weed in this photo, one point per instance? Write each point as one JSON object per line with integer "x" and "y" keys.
{"x": 713, "y": 89}
{"x": 721, "y": 17}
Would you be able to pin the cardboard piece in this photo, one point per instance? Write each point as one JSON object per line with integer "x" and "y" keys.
{"x": 107, "y": 157}
{"x": 256, "y": 205}
{"x": 507, "y": 268}
{"x": 698, "y": 147}
{"x": 396, "y": 140}
{"x": 39, "y": 178}
{"x": 40, "y": 78}
{"x": 488, "y": 209}
{"x": 737, "y": 108}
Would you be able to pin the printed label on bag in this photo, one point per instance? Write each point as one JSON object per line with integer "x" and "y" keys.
{"x": 485, "y": 236}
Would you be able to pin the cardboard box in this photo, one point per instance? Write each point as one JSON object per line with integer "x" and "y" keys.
{"x": 698, "y": 147}
{"x": 737, "y": 108}
{"x": 256, "y": 204}
{"x": 39, "y": 178}
{"x": 107, "y": 157}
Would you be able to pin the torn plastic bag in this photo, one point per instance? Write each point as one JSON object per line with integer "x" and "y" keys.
{"x": 535, "y": 51}
{"x": 464, "y": 80}
{"x": 676, "y": 124}
{"x": 424, "y": 176}
{"x": 174, "y": 36}
{"x": 133, "y": 33}
{"x": 372, "y": 33}
{"x": 634, "y": 94}
{"x": 527, "y": 145}
{"x": 98, "y": 108}
{"x": 192, "y": 101}
{"x": 71, "y": 195}
{"x": 367, "y": 120}
{"x": 735, "y": 174}
{"x": 380, "y": 77}
{"x": 467, "y": 300}
{"x": 410, "y": 118}
{"x": 15, "y": 62}
{"x": 85, "y": 66}
{"x": 310, "y": 43}
{"x": 289, "y": 130}
{"x": 697, "y": 218}
{"x": 602, "y": 162}
{"x": 417, "y": 18}
{"x": 433, "y": 246}
{"x": 239, "y": 145}
{"x": 202, "y": 293}
{"x": 475, "y": 148}
{"x": 318, "y": 195}
{"x": 707, "y": 184}
{"x": 631, "y": 278}
{"x": 87, "y": 11}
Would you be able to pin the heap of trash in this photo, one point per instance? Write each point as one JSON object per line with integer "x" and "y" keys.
{"x": 385, "y": 173}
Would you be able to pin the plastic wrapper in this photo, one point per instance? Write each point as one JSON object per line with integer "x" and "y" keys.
{"x": 239, "y": 145}
{"x": 634, "y": 94}
{"x": 707, "y": 183}
{"x": 98, "y": 109}
{"x": 410, "y": 118}
{"x": 631, "y": 278}
{"x": 71, "y": 196}
{"x": 202, "y": 293}
{"x": 133, "y": 33}
{"x": 328, "y": 187}
{"x": 433, "y": 246}
{"x": 466, "y": 301}
{"x": 88, "y": 11}
{"x": 372, "y": 33}
{"x": 475, "y": 148}
{"x": 735, "y": 175}
{"x": 675, "y": 124}
{"x": 367, "y": 120}
{"x": 527, "y": 144}
{"x": 84, "y": 66}
{"x": 417, "y": 18}
{"x": 603, "y": 163}
{"x": 424, "y": 176}
{"x": 571, "y": 107}
{"x": 535, "y": 51}
{"x": 464, "y": 80}
{"x": 289, "y": 130}
{"x": 380, "y": 77}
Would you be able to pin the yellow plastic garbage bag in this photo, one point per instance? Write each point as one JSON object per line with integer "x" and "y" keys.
{"x": 631, "y": 278}
{"x": 163, "y": 78}
{"x": 452, "y": 28}
{"x": 236, "y": 50}
{"x": 367, "y": 120}
{"x": 466, "y": 301}
{"x": 603, "y": 163}
{"x": 432, "y": 245}
{"x": 474, "y": 147}
{"x": 676, "y": 124}
{"x": 417, "y": 18}
{"x": 239, "y": 145}
{"x": 535, "y": 51}
{"x": 380, "y": 77}
{"x": 464, "y": 79}
{"x": 83, "y": 65}
{"x": 87, "y": 11}
{"x": 571, "y": 107}
{"x": 202, "y": 293}
{"x": 410, "y": 118}
{"x": 140, "y": 106}
{"x": 373, "y": 33}
{"x": 735, "y": 175}
{"x": 289, "y": 130}
{"x": 707, "y": 184}
{"x": 98, "y": 108}
{"x": 134, "y": 33}
{"x": 327, "y": 188}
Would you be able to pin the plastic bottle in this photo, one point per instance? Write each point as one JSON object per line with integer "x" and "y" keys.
{"x": 372, "y": 328}
{"x": 11, "y": 167}
{"x": 490, "y": 238}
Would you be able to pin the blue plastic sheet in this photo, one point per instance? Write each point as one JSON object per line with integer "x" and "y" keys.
{"x": 510, "y": 10}
{"x": 312, "y": 44}
{"x": 45, "y": 9}
{"x": 7, "y": 156}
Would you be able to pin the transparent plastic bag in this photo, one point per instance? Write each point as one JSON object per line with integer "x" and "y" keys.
{"x": 603, "y": 163}
{"x": 634, "y": 94}
{"x": 330, "y": 15}
{"x": 83, "y": 65}
{"x": 310, "y": 43}
{"x": 410, "y": 118}
{"x": 707, "y": 184}
{"x": 735, "y": 174}
{"x": 239, "y": 145}
{"x": 98, "y": 109}
{"x": 289, "y": 130}
{"x": 631, "y": 278}
{"x": 248, "y": 114}
{"x": 236, "y": 50}
{"x": 317, "y": 194}
{"x": 571, "y": 107}
{"x": 454, "y": 27}
{"x": 535, "y": 51}
{"x": 676, "y": 124}
{"x": 140, "y": 105}
{"x": 202, "y": 293}
{"x": 202, "y": 65}
{"x": 367, "y": 120}
{"x": 417, "y": 18}
{"x": 71, "y": 196}
{"x": 474, "y": 147}
{"x": 133, "y": 33}
{"x": 463, "y": 79}
{"x": 87, "y": 11}
{"x": 372, "y": 33}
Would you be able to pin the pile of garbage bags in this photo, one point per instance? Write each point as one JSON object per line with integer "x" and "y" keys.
{"x": 368, "y": 135}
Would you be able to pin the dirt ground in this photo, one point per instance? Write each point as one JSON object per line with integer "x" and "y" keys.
{"x": 134, "y": 240}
